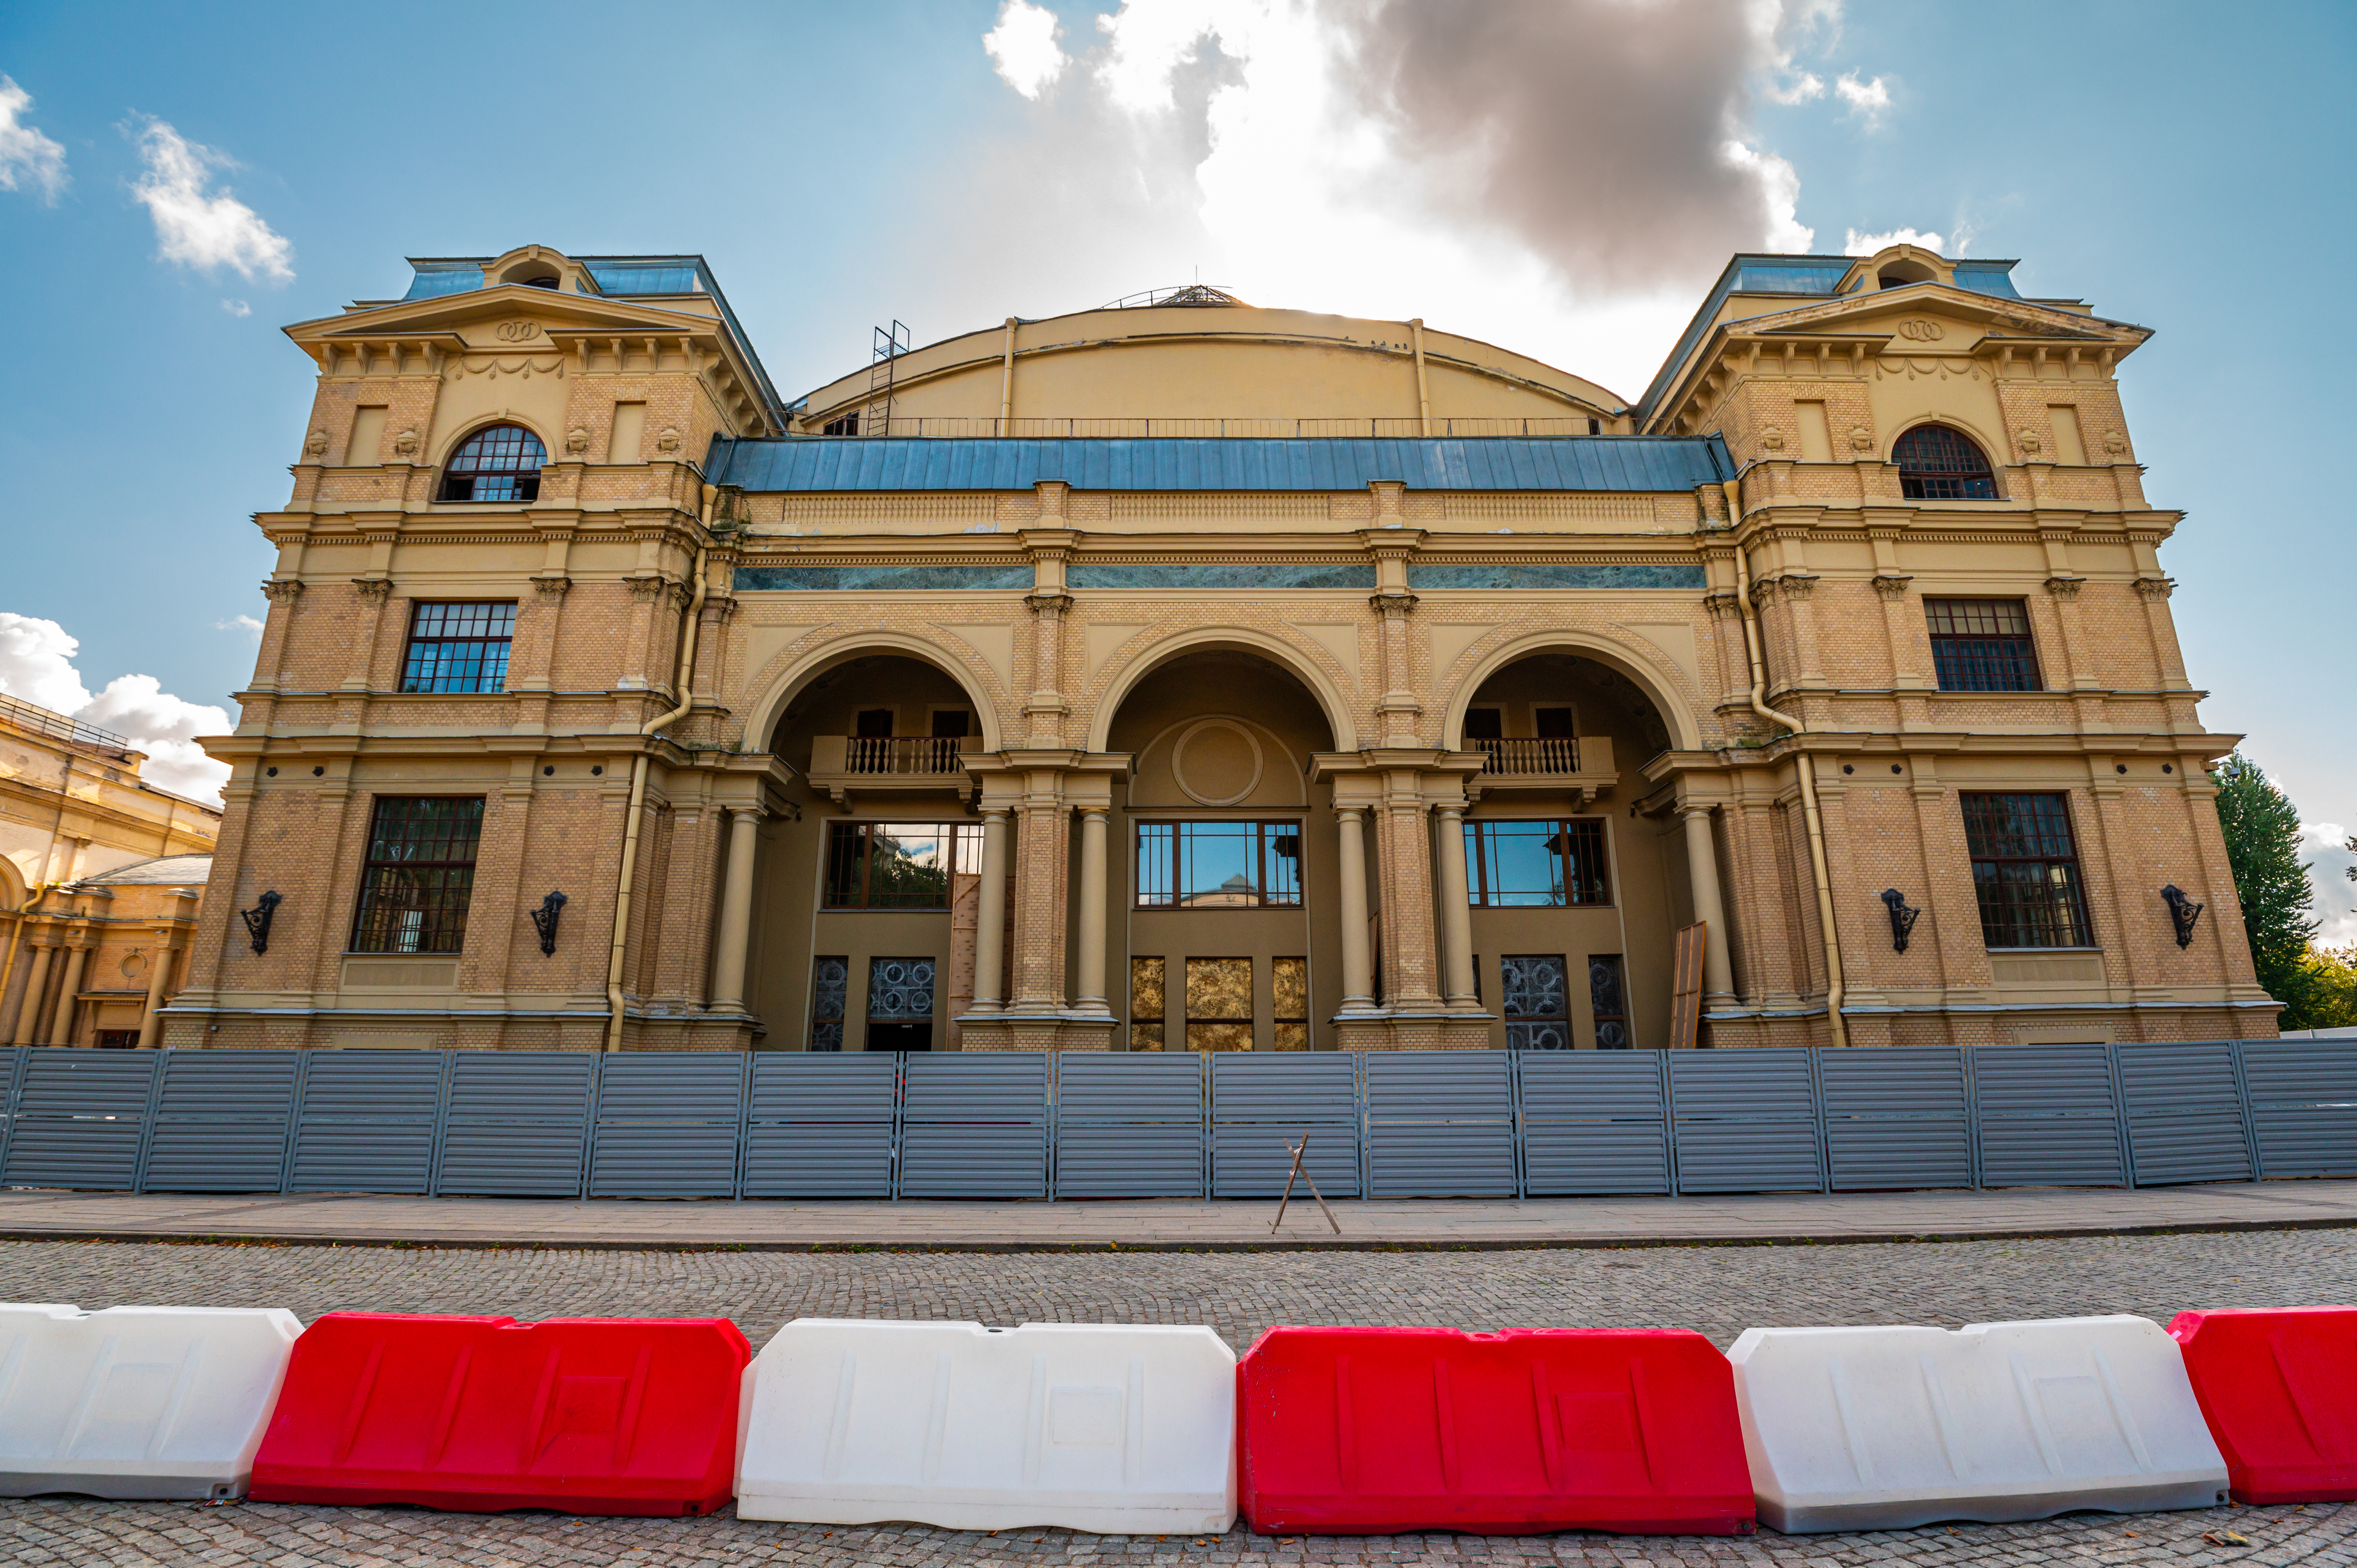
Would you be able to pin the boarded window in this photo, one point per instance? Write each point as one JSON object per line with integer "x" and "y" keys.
{"x": 1289, "y": 1004}
{"x": 1145, "y": 994}
{"x": 1219, "y": 1004}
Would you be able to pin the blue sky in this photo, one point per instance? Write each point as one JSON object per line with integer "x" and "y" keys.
{"x": 2185, "y": 167}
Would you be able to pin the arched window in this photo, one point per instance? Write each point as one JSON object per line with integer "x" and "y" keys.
{"x": 1939, "y": 463}
{"x": 498, "y": 464}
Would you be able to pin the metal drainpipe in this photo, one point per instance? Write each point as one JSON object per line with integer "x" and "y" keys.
{"x": 1828, "y": 930}
{"x": 639, "y": 788}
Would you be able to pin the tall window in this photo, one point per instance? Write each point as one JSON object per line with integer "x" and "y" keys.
{"x": 420, "y": 873}
{"x": 458, "y": 647}
{"x": 1939, "y": 463}
{"x": 1543, "y": 864}
{"x": 1219, "y": 1004}
{"x": 2026, "y": 870}
{"x": 499, "y": 464}
{"x": 1289, "y": 1003}
{"x": 1219, "y": 866}
{"x": 897, "y": 865}
{"x": 1608, "y": 1002}
{"x": 1147, "y": 991}
{"x": 830, "y": 985}
{"x": 1982, "y": 645}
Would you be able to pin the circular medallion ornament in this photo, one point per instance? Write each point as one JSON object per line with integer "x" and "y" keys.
{"x": 1216, "y": 761}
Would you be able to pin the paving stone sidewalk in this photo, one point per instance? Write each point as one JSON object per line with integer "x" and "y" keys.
{"x": 1716, "y": 1290}
{"x": 1183, "y": 1223}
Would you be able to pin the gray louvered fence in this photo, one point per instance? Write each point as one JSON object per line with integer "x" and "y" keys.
{"x": 1033, "y": 1124}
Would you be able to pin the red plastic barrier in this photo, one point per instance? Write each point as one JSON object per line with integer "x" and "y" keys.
{"x": 1363, "y": 1431}
{"x": 2279, "y": 1391}
{"x": 606, "y": 1415}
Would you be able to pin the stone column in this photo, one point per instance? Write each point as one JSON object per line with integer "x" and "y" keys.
{"x": 1404, "y": 848}
{"x": 1042, "y": 865}
{"x": 1702, "y": 867}
{"x": 1089, "y": 983}
{"x": 1455, "y": 914}
{"x": 29, "y": 1005}
{"x": 159, "y": 974}
{"x": 1358, "y": 962}
{"x": 736, "y": 912}
{"x": 61, "y": 1026}
{"x": 990, "y": 916}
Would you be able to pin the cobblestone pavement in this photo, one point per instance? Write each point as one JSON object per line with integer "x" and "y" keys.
{"x": 1720, "y": 1291}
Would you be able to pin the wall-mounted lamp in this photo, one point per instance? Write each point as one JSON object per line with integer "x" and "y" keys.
{"x": 544, "y": 920}
{"x": 2183, "y": 912}
{"x": 257, "y": 919}
{"x": 1902, "y": 918}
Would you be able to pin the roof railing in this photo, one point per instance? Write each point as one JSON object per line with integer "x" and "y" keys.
{"x": 61, "y": 726}
{"x": 937, "y": 427}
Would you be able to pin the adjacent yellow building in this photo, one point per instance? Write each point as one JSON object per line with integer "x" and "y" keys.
{"x": 1188, "y": 675}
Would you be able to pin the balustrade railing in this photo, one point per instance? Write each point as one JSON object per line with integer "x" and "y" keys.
{"x": 903, "y": 754}
{"x": 1524, "y": 753}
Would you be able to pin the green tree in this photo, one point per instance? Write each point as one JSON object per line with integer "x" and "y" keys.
{"x": 2262, "y": 829}
{"x": 2332, "y": 1002}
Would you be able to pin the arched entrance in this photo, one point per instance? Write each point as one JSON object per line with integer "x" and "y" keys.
{"x": 1576, "y": 899}
{"x": 1224, "y": 862}
{"x": 855, "y": 940}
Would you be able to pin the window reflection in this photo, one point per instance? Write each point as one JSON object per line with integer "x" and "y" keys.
{"x": 1219, "y": 866}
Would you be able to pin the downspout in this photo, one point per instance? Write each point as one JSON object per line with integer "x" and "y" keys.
{"x": 1827, "y": 928}
{"x": 638, "y": 786}
{"x": 1423, "y": 399}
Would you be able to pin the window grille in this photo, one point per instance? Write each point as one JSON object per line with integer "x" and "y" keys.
{"x": 1289, "y": 1004}
{"x": 1983, "y": 645}
{"x": 830, "y": 992}
{"x": 899, "y": 1003}
{"x": 501, "y": 463}
{"x": 1219, "y": 866}
{"x": 1145, "y": 1004}
{"x": 458, "y": 647}
{"x": 1550, "y": 863}
{"x": 1537, "y": 1001}
{"x": 2026, "y": 870}
{"x": 1219, "y": 1004}
{"x": 1937, "y": 463}
{"x": 419, "y": 876}
{"x": 1608, "y": 1002}
{"x": 897, "y": 865}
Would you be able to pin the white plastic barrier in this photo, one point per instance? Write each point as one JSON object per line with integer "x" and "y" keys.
{"x": 137, "y": 1401}
{"x": 1112, "y": 1429}
{"x": 1884, "y": 1428}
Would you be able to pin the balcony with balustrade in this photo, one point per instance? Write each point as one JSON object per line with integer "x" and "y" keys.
{"x": 1563, "y": 764}
{"x": 844, "y": 765}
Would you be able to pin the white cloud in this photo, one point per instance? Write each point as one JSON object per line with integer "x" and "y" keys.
{"x": 197, "y": 225}
{"x": 237, "y": 308}
{"x": 37, "y": 666}
{"x": 1866, "y": 99}
{"x": 1560, "y": 177}
{"x": 1860, "y": 244}
{"x": 2327, "y": 844}
{"x": 27, "y": 156}
{"x": 246, "y": 624}
{"x": 1024, "y": 50}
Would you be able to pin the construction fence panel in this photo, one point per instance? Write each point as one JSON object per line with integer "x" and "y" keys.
{"x": 2184, "y": 1115}
{"x": 368, "y": 1122}
{"x": 1594, "y": 1123}
{"x": 1129, "y": 1124}
{"x": 2048, "y": 1116}
{"x": 82, "y": 1118}
{"x": 12, "y": 1068}
{"x": 221, "y": 1121}
{"x": 1264, "y": 1106}
{"x": 2303, "y": 1099}
{"x": 517, "y": 1123}
{"x": 669, "y": 1124}
{"x": 1896, "y": 1116}
{"x": 974, "y": 1125}
{"x": 821, "y": 1125}
{"x": 1440, "y": 1124}
{"x": 1746, "y": 1121}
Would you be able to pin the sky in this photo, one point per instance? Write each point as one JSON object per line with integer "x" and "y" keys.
{"x": 1561, "y": 177}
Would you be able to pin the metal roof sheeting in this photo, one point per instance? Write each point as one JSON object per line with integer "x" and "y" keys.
{"x": 1174, "y": 463}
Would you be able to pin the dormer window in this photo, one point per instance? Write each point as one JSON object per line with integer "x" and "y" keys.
{"x": 1938, "y": 463}
{"x": 548, "y": 281}
{"x": 501, "y": 463}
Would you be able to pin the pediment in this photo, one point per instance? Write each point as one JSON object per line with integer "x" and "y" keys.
{"x": 466, "y": 316}
{"x": 1937, "y": 318}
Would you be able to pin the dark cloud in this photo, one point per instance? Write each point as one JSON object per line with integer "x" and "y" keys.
{"x": 1594, "y": 130}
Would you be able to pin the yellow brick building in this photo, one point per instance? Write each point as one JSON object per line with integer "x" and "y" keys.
{"x": 1184, "y": 674}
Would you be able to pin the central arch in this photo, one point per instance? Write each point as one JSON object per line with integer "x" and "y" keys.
{"x": 1295, "y": 660}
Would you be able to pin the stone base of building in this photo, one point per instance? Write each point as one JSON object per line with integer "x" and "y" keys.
{"x": 1035, "y": 1032}
{"x": 1415, "y": 1032}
